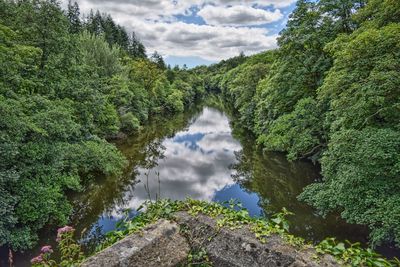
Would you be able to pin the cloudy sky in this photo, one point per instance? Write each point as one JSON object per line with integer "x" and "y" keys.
{"x": 199, "y": 31}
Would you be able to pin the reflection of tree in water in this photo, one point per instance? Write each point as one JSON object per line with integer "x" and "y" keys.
{"x": 154, "y": 152}
{"x": 92, "y": 239}
{"x": 278, "y": 182}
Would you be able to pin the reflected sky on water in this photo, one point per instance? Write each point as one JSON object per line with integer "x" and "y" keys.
{"x": 205, "y": 161}
{"x": 195, "y": 163}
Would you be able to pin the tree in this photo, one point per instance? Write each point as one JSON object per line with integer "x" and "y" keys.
{"x": 122, "y": 38}
{"x": 240, "y": 87}
{"x": 135, "y": 48}
{"x": 341, "y": 13}
{"x": 19, "y": 64}
{"x": 93, "y": 23}
{"x": 103, "y": 24}
{"x": 73, "y": 14}
{"x": 158, "y": 59}
{"x": 361, "y": 165}
{"x": 379, "y": 13}
{"x": 361, "y": 178}
{"x": 52, "y": 28}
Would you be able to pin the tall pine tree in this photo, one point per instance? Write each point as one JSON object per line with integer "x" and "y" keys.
{"x": 73, "y": 13}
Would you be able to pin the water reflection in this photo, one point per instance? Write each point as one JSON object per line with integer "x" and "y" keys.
{"x": 205, "y": 160}
{"x": 278, "y": 182}
{"x": 194, "y": 163}
{"x": 197, "y": 155}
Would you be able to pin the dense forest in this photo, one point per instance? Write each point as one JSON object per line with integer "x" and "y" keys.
{"x": 329, "y": 93}
{"x": 66, "y": 86}
{"x": 70, "y": 83}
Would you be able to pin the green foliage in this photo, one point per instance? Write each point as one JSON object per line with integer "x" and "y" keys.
{"x": 297, "y": 132}
{"x": 43, "y": 155}
{"x": 103, "y": 25}
{"x": 135, "y": 48}
{"x": 73, "y": 13}
{"x": 379, "y": 13}
{"x": 18, "y": 63}
{"x": 129, "y": 123}
{"x": 97, "y": 56}
{"x": 361, "y": 165}
{"x": 330, "y": 92}
{"x": 158, "y": 60}
{"x": 353, "y": 255}
{"x": 362, "y": 88}
{"x": 199, "y": 258}
{"x": 240, "y": 85}
{"x": 361, "y": 171}
{"x": 174, "y": 101}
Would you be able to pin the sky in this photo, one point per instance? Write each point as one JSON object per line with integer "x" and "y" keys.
{"x": 196, "y": 32}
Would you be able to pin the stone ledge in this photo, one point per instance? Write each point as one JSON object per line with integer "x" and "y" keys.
{"x": 159, "y": 244}
{"x": 168, "y": 244}
{"x": 240, "y": 247}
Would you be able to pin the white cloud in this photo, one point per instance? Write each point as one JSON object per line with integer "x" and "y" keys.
{"x": 265, "y": 3}
{"x": 205, "y": 41}
{"x": 238, "y": 15}
{"x": 210, "y": 121}
{"x": 225, "y": 35}
{"x": 138, "y": 9}
{"x": 173, "y": 7}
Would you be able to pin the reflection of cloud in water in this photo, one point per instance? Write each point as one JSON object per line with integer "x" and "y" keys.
{"x": 196, "y": 163}
{"x": 210, "y": 121}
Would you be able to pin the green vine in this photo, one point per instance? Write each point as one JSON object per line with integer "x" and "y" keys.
{"x": 353, "y": 254}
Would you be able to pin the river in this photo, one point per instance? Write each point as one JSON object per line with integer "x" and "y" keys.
{"x": 200, "y": 155}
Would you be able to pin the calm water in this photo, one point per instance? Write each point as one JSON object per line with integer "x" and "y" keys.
{"x": 198, "y": 155}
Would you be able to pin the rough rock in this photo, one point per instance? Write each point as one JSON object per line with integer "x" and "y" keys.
{"x": 157, "y": 245}
{"x": 240, "y": 247}
{"x": 168, "y": 244}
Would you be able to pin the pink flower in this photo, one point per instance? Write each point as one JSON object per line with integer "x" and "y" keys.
{"x": 46, "y": 249}
{"x": 37, "y": 260}
{"x": 63, "y": 230}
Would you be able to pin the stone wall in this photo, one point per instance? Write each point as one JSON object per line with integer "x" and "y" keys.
{"x": 167, "y": 243}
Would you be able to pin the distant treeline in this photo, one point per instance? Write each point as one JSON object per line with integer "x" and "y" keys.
{"x": 330, "y": 93}
{"x": 67, "y": 84}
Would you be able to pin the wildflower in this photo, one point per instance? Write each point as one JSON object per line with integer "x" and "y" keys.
{"x": 46, "y": 249}
{"x": 63, "y": 230}
{"x": 37, "y": 260}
